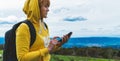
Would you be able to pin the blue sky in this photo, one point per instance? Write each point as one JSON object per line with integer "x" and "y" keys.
{"x": 85, "y": 18}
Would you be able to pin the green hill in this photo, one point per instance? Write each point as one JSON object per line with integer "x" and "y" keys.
{"x": 77, "y": 58}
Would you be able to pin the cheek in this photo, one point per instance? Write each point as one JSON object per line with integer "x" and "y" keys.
{"x": 43, "y": 9}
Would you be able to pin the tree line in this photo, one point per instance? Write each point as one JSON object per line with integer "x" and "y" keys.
{"x": 96, "y": 52}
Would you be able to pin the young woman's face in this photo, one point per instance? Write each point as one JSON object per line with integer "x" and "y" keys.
{"x": 44, "y": 8}
{"x": 44, "y": 11}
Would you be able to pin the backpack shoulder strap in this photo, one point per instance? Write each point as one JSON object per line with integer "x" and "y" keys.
{"x": 45, "y": 25}
{"x": 32, "y": 31}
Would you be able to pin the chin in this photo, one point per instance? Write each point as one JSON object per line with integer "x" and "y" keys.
{"x": 45, "y": 16}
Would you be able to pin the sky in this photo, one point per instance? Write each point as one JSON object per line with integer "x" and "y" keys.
{"x": 85, "y": 18}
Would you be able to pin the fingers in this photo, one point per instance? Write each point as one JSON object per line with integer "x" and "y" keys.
{"x": 59, "y": 44}
{"x": 54, "y": 41}
{"x": 52, "y": 44}
{"x": 55, "y": 37}
{"x": 65, "y": 39}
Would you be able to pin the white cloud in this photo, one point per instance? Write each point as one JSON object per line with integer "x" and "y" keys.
{"x": 11, "y": 4}
{"x": 11, "y": 19}
{"x": 102, "y": 16}
{"x": 7, "y": 22}
{"x": 4, "y": 28}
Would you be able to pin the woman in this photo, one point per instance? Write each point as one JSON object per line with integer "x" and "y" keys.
{"x": 35, "y": 11}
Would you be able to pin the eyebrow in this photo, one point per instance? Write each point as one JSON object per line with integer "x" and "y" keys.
{"x": 46, "y": 4}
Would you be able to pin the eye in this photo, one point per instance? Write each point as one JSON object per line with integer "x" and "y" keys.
{"x": 46, "y": 5}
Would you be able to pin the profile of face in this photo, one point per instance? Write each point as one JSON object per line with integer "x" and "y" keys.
{"x": 44, "y": 8}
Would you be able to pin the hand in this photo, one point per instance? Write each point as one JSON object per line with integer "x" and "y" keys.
{"x": 52, "y": 44}
{"x": 64, "y": 40}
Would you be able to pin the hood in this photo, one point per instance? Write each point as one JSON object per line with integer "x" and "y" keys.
{"x": 32, "y": 10}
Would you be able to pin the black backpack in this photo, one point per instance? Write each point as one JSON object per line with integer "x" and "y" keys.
{"x": 9, "y": 52}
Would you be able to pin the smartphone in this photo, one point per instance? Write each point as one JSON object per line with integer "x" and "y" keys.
{"x": 60, "y": 39}
{"x": 69, "y": 34}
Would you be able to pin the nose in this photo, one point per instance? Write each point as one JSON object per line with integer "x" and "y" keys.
{"x": 47, "y": 9}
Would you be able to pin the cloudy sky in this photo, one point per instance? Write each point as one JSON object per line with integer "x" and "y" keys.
{"x": 85, "y": 18}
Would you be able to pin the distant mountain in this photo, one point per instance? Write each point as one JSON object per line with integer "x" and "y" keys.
{"x": 112, "y": 46}
{"x": 113, "y": 42}
{"x": 1, "y": 40}
{"x": 93, "y": 41}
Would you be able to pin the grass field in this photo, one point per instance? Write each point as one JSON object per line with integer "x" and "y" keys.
{"x": 72, "y": 58}
{"x": 77, "y": 58}
{"x": 1, "y": 51}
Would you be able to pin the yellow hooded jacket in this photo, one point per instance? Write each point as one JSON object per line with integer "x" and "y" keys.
{"x": 38, "y": 51}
